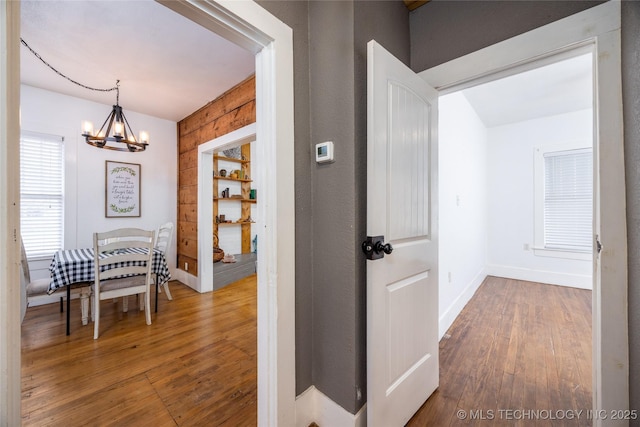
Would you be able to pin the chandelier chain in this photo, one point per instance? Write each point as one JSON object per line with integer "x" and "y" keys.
{"x": 116, "y": 88}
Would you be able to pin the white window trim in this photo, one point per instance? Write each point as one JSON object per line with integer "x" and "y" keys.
{"x": 539, "y": 248}
{"x": 27, "y": 134}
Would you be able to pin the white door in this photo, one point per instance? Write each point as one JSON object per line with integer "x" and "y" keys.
{"x": 402, "y": 286}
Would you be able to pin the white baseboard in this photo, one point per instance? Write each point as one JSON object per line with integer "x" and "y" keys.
{"x": 561, "y": 279}
{"x": 449, "y": 315}
{"x": 188, "y": 279}
{"x": 312, "y": 406}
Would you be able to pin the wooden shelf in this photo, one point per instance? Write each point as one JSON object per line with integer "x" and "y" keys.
{"x": 230, "y": 159}
{"x": 242, "y": 199}
{"x": 235, "y": 199}
{"x": 236, "y": 223}
{"x": 226, "y": 178}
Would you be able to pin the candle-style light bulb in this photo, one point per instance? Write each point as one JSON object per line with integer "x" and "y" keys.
{"x": 144, "y": 137}
{"x": 118, "y": 128}
{"x": 87, "y": 128}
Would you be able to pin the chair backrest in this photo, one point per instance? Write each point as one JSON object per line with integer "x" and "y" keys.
{"x": 24, "y": 262}
{"x": 122, "y": 252}
{"x": 163, "y": 238}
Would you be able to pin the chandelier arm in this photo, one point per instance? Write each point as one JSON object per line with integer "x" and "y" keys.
{"x": 133, "y": 137}
{"x": 109, "y": 117}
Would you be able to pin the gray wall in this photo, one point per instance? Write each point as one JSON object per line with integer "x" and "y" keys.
{"x": 335, "y": 334}
{"x": 631, "y": 107}
{"x": 443, "y": 30}
{"x": 330, "y": 104}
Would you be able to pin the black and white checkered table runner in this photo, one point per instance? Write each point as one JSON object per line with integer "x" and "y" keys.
{"x": 76, "y": 265}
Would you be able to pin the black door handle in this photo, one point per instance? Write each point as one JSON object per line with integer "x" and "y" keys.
{"x": 375, "y": 248}
{"x": 381, "y": 247}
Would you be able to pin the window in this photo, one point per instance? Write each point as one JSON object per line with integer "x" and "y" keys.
{"x": 564, "y": 202}
{"x": 41, "y": 193}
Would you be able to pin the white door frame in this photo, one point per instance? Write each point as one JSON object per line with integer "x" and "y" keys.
{"x": 9, "y": 214}
{"x": 252, "y": 27}
{"x": 600, "y": 27}
{"x": 241, "y": 136}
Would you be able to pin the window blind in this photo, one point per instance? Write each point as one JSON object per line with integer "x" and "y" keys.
{"x": 568, "y": 200}
{"x": 41, "y": 193}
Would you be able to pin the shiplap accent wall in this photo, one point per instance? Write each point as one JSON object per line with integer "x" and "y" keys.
{"x": 230, "y": 111}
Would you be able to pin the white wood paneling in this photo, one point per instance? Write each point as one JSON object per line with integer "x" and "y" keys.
{"x": 408, "y": 170}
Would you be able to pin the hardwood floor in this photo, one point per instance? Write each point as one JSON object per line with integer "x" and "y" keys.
{"x": 194, "y": 366}
{"x": 516, "y": 346}
{"x": 518, "y": 354}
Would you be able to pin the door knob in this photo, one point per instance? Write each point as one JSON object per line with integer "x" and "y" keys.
{"x": 381, "y": 247}
{"x": 375, "y": 248}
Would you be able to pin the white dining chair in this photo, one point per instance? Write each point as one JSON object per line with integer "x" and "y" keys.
{"x": 163, "y": 242}
{"x": 39, "y": 287}
{"x": 120, "y": 270}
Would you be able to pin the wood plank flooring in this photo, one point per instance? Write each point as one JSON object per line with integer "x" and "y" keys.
{"x": 519, "y": 354}
{"x": 516, "y": 346}
{"x": 194, "y": 366}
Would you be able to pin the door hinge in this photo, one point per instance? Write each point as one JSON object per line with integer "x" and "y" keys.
{"x": 598, "y": 244}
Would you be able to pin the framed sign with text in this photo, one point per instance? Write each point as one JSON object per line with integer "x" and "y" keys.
{"x": 122, "y": 193}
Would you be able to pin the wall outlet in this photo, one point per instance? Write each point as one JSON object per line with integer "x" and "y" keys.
{"x": 526, "y": 247}
{"x": 449, "y": 277}
{"x": 186, "y": 266}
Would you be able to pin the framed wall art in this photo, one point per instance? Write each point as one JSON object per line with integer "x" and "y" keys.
{"x": 122, "y": 192}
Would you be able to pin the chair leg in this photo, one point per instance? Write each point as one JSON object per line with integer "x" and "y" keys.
{"x": 125, "y": 304}
{"x": 166, "y": 289}
{"x": 141, "y": 301}
{"x": 85, "y": 294}
{"x": 147, "y": 308}
{"x": 61, "y": 304}
{"x": 96, "y": 313}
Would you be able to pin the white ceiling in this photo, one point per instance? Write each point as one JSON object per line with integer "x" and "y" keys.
{"x": 558, "y": 88}
{"x": 167, "y": 65}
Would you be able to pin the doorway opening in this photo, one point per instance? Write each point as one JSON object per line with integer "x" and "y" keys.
{"x": 210, "y": 188}
{"x": 499, "y": 213}
{"x": 252, "y": 27}
{"x": 599, "y": 27}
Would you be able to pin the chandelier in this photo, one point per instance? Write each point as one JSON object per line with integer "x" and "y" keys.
{"x": 115, "y": 133}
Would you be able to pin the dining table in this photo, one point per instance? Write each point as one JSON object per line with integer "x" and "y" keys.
{"x": 70, "y": 267}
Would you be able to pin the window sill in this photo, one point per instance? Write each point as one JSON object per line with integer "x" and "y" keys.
{"x": 557, "y": 253}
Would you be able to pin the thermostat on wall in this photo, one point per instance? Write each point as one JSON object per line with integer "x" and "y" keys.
{"x": 324, "y": 152}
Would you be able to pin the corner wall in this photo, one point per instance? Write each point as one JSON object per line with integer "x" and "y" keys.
{"x": 511, "y": 199}
{"x": 330, "y": 99}
{"x": 230, "y": 111}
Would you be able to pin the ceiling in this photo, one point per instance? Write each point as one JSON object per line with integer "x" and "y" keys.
{"x": 167, "y": 65}
{"x": 558, "y": 88}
